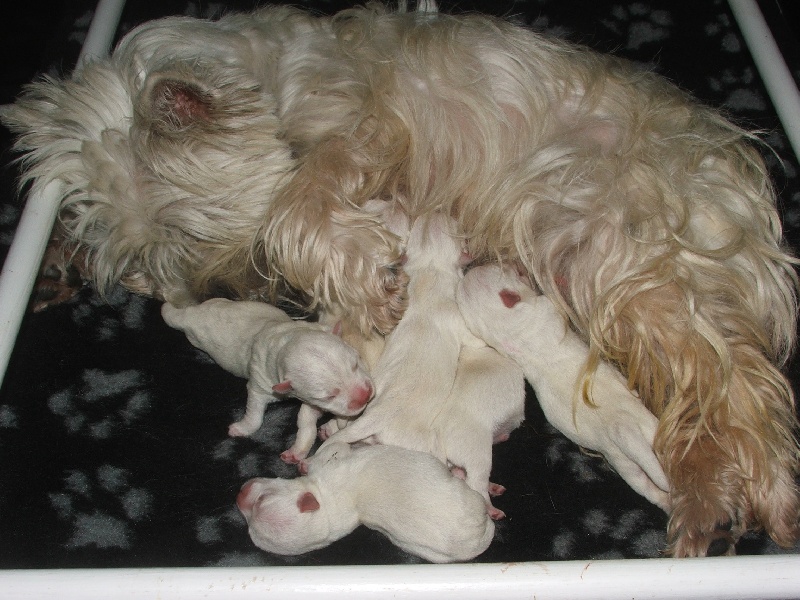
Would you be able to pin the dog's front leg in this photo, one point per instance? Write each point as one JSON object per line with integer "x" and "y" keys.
{"x": 257, "y": 400}
{"x": 306, "y": 434}
{"x": 317, "y": 239}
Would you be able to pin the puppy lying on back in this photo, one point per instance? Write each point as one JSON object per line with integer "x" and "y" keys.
{"x": 280, "y": 358}
{"x": 411, "y": 497}
{"x": 439, "y": 389}
{"x": 528, "y": 329}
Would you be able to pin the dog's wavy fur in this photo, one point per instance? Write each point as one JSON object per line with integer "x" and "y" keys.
{"x": 233, "y": 157}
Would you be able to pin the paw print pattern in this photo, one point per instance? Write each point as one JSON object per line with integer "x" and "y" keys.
{"x": 217, "y": 529}
{"x": 737, "y": 85}
{"x": 563, "y": 454}
{"x": 90, "y": 527}
{"x": 127, "y": 312}
{"x": 80, "y": 28}
{"x": 723, "y": 29}
{"x": 8, "y": 417}
{"x": 103, "y": 403}
{"x": 738, "y": 89}
{"x": 631, "y": 528}
{"x": 643, "y": 24}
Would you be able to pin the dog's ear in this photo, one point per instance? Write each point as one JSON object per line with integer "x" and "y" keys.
{"x": 179, "y": 104}
{"x": 510, "y": 298}
{"x": 307, "y": 503}
{"x": 284, "y": 387}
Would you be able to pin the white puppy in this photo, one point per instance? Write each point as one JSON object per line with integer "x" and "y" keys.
{"x": 411, "y": 497}
{"x": 280, "y": 358}
{"x": 439, "y": 389}
{"x": 526, "y": 327}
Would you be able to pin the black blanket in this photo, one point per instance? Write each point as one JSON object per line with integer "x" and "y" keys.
{"x": 113, "y": 428}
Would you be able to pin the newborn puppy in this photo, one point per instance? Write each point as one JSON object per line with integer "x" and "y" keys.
{"x": 439, "y": 389}
{"x": 280, "y": 358}
{"x": 411, "y": 497}
{"x": 528, "y": 328}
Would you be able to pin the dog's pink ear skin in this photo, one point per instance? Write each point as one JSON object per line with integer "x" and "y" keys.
{"x": 284, "y": 387}
{"x": 509, "y": 298}
{"x": 180, "y": 103}
{"x": 337, "y": 329}
{"x": 307, "y": 503}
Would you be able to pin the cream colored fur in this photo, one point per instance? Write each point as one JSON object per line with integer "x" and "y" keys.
{"x": 438, "y": 388}
{"x": 526, "y": 328}
{"x": 280, "y": 358}
{"x": 409, "y": 496}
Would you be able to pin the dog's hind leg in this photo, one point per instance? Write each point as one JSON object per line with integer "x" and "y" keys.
{"x": 726, "y": 419}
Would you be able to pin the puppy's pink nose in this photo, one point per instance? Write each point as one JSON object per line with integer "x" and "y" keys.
{"x": 360, "y": 396}
{"x": 243, "y": 501}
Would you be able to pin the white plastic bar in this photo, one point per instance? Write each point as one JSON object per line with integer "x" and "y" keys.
{"x": 36, "y": 223}
{"x": 777, "y": 78}
{"x": 730, "y": 578}
{"x": 102, "y": 29}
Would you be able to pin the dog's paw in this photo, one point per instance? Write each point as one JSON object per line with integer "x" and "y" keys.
{"x": 240, "y": 429}
{"x": 717, "y": 541}
{"x": 495, "y": 489}
{"x": 495, "y": 514}
{"x": 293, "y": 456}
{"x": 58, "y": 280}
{"x": 326, "y": 430}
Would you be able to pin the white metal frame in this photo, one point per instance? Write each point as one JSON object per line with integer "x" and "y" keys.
{"x": 729, "y": 578}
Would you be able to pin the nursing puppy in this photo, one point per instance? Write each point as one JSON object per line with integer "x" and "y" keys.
{"x": 203, "y": 156}
{"x": 527, "y": 328}
{"x": 410, "y": 497}
{"x": 280, "y": 358}
{"x": 438, "y": 388}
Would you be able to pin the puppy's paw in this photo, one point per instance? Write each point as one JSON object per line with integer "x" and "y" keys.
{"x": 240, "y": 429}
{"x": 495, "y": 514}
{"x": 293, "y": 456}
{"x": 495, "y": 489}
{"x": 326, "y": 430}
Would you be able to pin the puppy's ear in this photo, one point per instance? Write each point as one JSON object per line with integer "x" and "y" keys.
{"x": 509, "y": 298}
{"x": 178, "y": 104}
{"x": 284, "y": 387}
{"x": 307, "y": 503}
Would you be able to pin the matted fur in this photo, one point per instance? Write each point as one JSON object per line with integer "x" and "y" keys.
{"x": 235, "y": 156}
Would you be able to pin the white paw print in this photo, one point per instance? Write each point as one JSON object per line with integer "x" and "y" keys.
{"x": 643, "y": 24}
{"x": 77, "y": 504}
{"x": 104, "y": 402}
